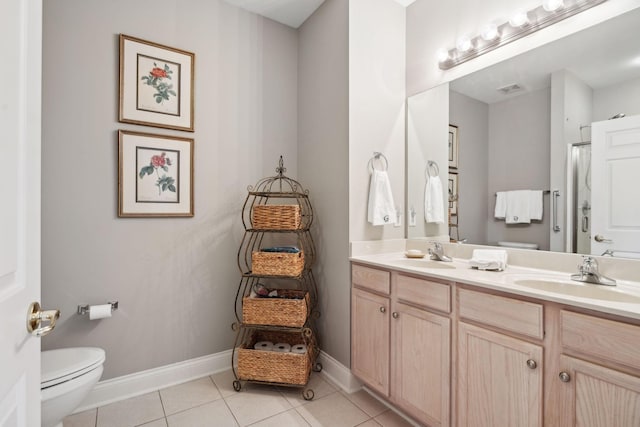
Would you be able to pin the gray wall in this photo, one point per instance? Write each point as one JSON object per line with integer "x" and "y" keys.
{"x": 619, "y": 98}
{"x": 472, "y": 118}
{"x": 519, "y": 146}
{"x": 175, "y": 279}
{"x": 323, "y": 160}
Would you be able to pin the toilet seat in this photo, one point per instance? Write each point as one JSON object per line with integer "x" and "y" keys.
{"x": 59, "y": 366}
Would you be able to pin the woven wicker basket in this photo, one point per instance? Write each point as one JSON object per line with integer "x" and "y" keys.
{"x": 276, "y": 217}
{"x": 277, "y": 263}
{"x": 271, "y": 366}
{"x": 286, "y": 311}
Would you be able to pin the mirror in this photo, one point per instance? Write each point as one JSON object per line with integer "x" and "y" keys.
{"x": 525, "y": 123}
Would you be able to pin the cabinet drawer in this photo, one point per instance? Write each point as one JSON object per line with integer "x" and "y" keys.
{"x": 606, "y": 339}
{"x": 371, "y": 278}
{"x": 424, "y": 292}
{"x": 509, "y": 314}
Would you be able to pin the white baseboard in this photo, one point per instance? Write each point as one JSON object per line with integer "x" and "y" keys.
{"x": 138, "y": 383}
{"x": 142, "y": 382}
{"x": 338, "y": 373}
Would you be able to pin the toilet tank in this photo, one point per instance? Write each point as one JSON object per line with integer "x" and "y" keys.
{"x": 518, "y": 245}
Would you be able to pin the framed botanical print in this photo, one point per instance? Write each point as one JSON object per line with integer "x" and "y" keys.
{"x": 453, "y": 193}
{"x": 156, "y": 84}
{"x": 155, "y": 175}
{"x": 453, "y": 147}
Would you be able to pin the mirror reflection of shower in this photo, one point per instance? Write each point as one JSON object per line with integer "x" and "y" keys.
{"x": 581, "y": 173}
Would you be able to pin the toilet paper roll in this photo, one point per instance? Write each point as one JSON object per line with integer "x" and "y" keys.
{"x": 299, "y": 349}
{"x": 263, "y": 345}
{"x": 282, "y": 347}
{"x": 99, "y": 311}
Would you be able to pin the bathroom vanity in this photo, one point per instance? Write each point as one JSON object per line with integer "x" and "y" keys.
{"x": 449, "y": 345}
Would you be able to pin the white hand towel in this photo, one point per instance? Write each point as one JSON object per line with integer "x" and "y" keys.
{"x": 381, "y": 209}
{"x": 535, "y": 204}
{"x": 518, "y": 203}
{"x": 489, "y": 259}
{"x": 433, "y": 201}
{"x": 501, "y": 205}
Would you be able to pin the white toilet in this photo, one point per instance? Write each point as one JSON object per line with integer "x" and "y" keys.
{"x": 519, "y": 245}
{"x": 67, "y": 377}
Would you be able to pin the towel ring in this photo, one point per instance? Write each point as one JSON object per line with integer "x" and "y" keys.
{"x": 432, "y": 165}
{"x": 376, "y": 156}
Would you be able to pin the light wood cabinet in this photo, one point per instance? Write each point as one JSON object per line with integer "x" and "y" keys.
{"x": 370, "y": 339}
{"x": 403, "y": 353}
{"x": 595, "y": 396}
{"x": 420, "y": 358}
{"x": 489, "y": 358}
{"x": 499, "y": 379}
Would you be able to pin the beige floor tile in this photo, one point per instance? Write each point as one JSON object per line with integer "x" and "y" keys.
{"x": 210, "y": 414}
{"x": 291, "y": 418}
{"x": 334, "y": 410}
{"x": 157, "y": 423}
{"x": 224, "y": 382}
{"x": 391, "y": 419}
{"x": 255, "y": 404}
{"x": 369, "y": 404}
{"x": 320, "y": 387}
{"x": 370, "y": 423}
{"x": 81, "y": 419}
{"x": 131, "y": 412}
{"x": 188, "y": 395}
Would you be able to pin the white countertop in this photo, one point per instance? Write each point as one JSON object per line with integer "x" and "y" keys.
{"x": 622, "y": 300}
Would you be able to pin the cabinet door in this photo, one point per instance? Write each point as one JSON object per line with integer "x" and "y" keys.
{"x": 420, "y": 354}
{"x": 499, "y": 379}
{"x": 370, "y": 339}
{"x": 595, "y": 396}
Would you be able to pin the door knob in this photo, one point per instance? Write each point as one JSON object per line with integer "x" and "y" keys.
{"x": 532, "y": 364}
{"x": 35, "y": 317}
{"x": 600, "y": 239}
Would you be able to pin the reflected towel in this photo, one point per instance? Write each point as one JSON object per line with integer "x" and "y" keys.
{"x": 433, "y": 201}
{"x": 381, "y": 209}
{"x": 501, "y": 205}
{"x": 518, "y": 203}
{"x": 535, "y": 204}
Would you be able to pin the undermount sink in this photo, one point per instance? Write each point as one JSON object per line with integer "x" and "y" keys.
{"x": 578, "y": 289}
{"x": 425, "y": 263}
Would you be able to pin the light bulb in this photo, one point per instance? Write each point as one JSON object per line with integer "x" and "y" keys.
{"x": 551, "y": 5}
{"x": 442, "y": 54}
{"x": 464, "y": 44}
{"x": 519, "y": 19}
{"x": 489, "y": 32}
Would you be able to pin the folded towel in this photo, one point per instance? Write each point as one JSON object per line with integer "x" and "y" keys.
{"x": 518, "y": 203}
{"x": 433, "y": 201}
{"x": 535, "y": 204}
{"x": 501, "y": 205}
{"x": 286, "y": 249}
{"x": 381, "y": 209}
{"x": 489, "y": 259}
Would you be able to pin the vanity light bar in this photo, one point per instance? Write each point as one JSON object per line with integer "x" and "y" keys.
{"x": 537, "y": 19}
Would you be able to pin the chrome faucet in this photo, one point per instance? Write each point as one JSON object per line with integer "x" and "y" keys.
{"x": 437, "y": 253}
{"x": 588, "y": 273}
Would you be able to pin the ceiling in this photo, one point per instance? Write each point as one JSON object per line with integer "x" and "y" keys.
{"x": 600, "y": 56}
{"x": 288, "y": 12}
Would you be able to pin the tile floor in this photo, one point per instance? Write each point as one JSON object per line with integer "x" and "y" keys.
{"x": 211, "y": 401}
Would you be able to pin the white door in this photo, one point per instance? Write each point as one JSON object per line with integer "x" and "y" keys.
{"x": 20, "y": 73}
{"x": 615, "y": 186}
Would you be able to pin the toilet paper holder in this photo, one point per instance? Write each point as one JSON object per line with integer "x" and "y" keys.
{"x": 84, "y": 309}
